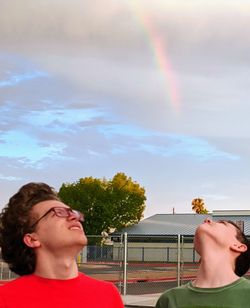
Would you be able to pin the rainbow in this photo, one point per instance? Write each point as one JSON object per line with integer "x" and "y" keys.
{"x": 159, "y": 52}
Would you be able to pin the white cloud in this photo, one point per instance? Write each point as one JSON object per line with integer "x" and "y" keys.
{"x": 9, "y": 178}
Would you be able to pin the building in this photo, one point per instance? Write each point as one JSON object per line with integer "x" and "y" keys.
{"x": 162, "y": 237}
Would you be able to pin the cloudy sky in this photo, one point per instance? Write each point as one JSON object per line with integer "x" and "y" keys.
{"x": 157, "y": 89}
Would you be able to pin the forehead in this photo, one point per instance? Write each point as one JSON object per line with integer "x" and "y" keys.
{"x": 43, "y": 206}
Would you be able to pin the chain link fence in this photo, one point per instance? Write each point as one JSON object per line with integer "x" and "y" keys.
{"x": 137, "y": 265}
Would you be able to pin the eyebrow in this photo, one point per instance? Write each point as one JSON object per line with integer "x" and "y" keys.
{"x": 238, "y": 229}
{"x": 229, "y": 222}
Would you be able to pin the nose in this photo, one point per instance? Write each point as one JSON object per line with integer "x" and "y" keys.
{"x": 73, "y": 216}
{"x": 208, "y": 220}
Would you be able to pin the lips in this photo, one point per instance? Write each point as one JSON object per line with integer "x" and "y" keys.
{"x": 76, "y": 226}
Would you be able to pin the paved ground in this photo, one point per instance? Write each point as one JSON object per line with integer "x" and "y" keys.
{"x": 150, "y": 287}
{"x": 137, "y": 272}
{"x": 141, "y": 301}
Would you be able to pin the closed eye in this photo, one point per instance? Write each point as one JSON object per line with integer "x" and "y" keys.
{"x": 222, "y": 222}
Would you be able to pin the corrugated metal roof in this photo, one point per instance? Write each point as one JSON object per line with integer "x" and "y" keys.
{"x": 170, "y": 224}
{"x": 174, "y": 224}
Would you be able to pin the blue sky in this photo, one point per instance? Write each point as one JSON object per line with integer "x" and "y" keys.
{"x": 82, "y": 94}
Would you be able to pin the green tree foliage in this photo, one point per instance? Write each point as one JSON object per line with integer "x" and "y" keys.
{"x": 198, "y": 206}
{"x": 107, "y": 204}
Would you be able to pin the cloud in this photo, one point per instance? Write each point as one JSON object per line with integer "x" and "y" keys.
{"x": 26, "y": 149}
{"x": 15, "y": 79}
{"x": 83, "y": 91}
{"x": 167, "y": 145}
{"x": 9, "y": 178}
{"x": 60, "y": 123}
{"x": 216, "y": 197}
{"x": 115, "y": 66}
{"x": 60, "y": 119}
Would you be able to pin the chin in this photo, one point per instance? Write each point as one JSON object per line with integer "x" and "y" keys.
{"x": 84, "y": 241}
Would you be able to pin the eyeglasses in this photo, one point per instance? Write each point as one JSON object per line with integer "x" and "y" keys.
{"x": 62, "y": 212}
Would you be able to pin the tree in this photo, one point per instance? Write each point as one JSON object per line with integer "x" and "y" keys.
{"x": 107, "y": 204}
{"x": 198, "y": 205}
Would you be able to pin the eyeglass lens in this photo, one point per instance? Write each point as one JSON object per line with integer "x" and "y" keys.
{"x": 66, "y": 212}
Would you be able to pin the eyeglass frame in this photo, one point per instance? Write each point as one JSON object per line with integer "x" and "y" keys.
{"x": 67, "y": 210}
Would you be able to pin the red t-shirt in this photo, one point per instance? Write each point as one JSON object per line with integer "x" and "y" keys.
{"x": 31, "y": 291}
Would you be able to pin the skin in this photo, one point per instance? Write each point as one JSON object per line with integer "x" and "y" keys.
{"x": 57, "y": 240}
{"x": 218, "y": 247}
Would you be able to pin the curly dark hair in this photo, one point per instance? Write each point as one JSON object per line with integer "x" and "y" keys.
{"x": 242, "y": 262}
{"x": 15, "y": 221}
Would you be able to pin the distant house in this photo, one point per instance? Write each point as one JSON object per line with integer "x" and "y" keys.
{"x": 159, "y": 237}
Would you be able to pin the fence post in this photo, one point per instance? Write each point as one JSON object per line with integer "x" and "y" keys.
{"x": 182, "y": 260}
{"x": 1, "y": 276}
{"x": 120, "y": 259}
{"x": 178, "y": 259}
{"x": 125, "y": 263}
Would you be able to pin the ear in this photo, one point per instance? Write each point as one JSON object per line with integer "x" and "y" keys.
{"x": 239, "y": 247}
{"x": 31, "y": 240}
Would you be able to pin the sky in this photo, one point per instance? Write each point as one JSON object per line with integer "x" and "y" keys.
{"x": 157, "y": 89}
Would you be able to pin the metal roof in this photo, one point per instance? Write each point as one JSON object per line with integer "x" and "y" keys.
{"x": 184, "y": 224}
{"x": 167, "y": 224}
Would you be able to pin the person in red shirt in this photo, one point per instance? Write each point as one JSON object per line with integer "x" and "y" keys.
{"x": 40, "y": 237}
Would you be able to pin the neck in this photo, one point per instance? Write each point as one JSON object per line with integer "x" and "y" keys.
{"x": 56, "y": 268}
{"x": 215, "y": 272}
